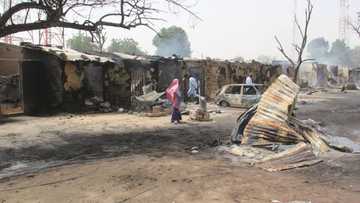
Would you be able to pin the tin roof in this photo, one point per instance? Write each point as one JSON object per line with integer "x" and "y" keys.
{"x": 70, "y": 54}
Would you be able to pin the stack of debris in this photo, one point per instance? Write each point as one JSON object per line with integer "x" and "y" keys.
{"x": 98, "y": 104}
{"x": 152, "y": 104}
{"x": 269, "y": 125}
{"x": 9, "y": 88}
{"x": 201, "y": 113}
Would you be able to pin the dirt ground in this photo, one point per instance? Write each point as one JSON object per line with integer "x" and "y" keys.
{"x": 128, "y": 158}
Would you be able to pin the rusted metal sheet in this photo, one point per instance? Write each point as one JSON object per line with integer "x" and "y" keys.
{"x": 270, "y": 121}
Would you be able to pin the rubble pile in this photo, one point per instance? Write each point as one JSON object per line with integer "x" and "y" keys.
{"x": 201, "y": 113}
{"x": 152, "y": 104}
{"x": 98, "y": 104}
{"x": 270, "y": 125}
{"x": 9, "y": 88}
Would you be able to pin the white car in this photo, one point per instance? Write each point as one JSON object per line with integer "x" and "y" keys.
{"x": 239, "y": 95}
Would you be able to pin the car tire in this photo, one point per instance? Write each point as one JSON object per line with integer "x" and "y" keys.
{"x": 224, "y": 104}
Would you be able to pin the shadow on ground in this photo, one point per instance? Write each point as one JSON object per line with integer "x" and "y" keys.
{"x": 175, "y": 141}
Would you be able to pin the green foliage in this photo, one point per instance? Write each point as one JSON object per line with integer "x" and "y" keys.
{"x": 265, "y": 59}
{"x": 127, "y": 46}
{"x": 340, "y": 53}
{"x": 82, "y": 43}
{"x": 318, "y": 48}
{"x": 172, "y": 40}
{"x": 239, "y": 59}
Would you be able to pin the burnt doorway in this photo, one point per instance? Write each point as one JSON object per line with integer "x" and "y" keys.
{"x": 198, "y": 73}
{"x": 34, "y": 87}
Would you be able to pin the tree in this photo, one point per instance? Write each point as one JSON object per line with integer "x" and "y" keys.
{"x": 340, "y": 53}
{"x": 356, "y": 28}
{"x": 172, "y": 40}
{"x": 239, "y": 59}
{"x": 100, "y": 38}
{"x": 127, "y": 46}
{"x": 318, "y": 48}
{"x": 87, "y": 15}
{"x": 82, "y": 43}
{"x": 296, "y": 64}
{"x": 265, "y": 59}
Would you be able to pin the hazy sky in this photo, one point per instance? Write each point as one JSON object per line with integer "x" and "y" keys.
{"x": 245, "y": 28}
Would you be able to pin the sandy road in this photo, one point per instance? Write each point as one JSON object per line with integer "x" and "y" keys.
{"x": 127, "y": 158}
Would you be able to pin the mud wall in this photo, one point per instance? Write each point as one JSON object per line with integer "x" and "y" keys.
{"x": 219, "y": 73}
{"x": 11, "y": 57}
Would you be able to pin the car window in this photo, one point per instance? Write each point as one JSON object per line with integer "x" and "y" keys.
{"x": 249, "y": 90}
{"x": 233, "y": 90}
{"x": 228, "y": 90}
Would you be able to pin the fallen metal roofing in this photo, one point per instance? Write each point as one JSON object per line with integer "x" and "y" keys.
{"x": 270, "y": 125}
{"x": 270, "y": 121}
{"x": 150, "y": 97}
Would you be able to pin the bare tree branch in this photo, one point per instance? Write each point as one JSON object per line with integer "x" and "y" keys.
{"x": 281, "y": 49}
{"x": 124, "y": 14}
{"x": 356, "y": 28}
{"x": 304, "y": 38}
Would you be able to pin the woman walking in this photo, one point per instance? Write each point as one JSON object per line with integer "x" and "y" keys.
{"x": 174, "y": 96}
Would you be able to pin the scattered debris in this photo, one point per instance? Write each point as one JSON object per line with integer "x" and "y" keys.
{"x": 9, "y": 87}
{"x": 270, "y": 124}
{"x": 97, "y": 104}
{"x": 152, "y": 104}
{"x": 312, "y": 92}
{"x": 200, "y": 114}
{"x": 351, "y": 86}
{"x": 195, "y": 150}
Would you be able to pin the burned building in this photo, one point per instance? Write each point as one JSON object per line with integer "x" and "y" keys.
{"x": 55, "y": 79}
{"x": 10, "y": 62}
{"x": 354, "y": 76}
{"x": 215, "y": 73}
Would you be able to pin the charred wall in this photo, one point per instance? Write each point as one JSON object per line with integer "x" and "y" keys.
{"x": 10, "y": 87}
{"x": 95, "y": 82}
{"x": 117, "y": 85}
{"x": 169, "y": 69}
{"x": 42, "y": 77}
{"x": 52, "y": 84}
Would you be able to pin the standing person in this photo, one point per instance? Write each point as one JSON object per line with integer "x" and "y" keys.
{"x": 248, "y": 80}
{"x": 174, "y": 96}
{"x": 193, "y": 87}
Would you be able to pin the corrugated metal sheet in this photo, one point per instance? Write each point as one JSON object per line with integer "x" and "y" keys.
{"x": 127, "y": 56}
{"x": 270, "y": 123}
{"x": 71, "y": 55}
